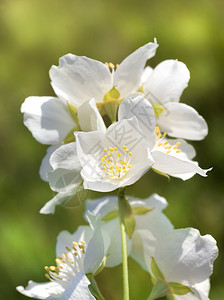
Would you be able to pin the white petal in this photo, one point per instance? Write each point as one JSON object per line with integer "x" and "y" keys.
{"x": 167, "y": 82}
{"x": 66, "y": 169}
{"x": 181, "y": 120}
{"x": 46, "y": 290}
{"x": 143, "y": 111}
{"x": 65, "y": 238}
{"x": 78, "y": 79}
{"x": 45, "y": 166}
{"x": 48, "y": 118}
{"x": 78, "y": 289}
{"x": 90, "y": 118}
{"x": 102, "y": 206}
{"x": 187, "y": 150}
{"x": 185, "y": 256}
{"x": 203, "y": 286}
{"x": 63, "y": 180}
{"x": 127, "y": 77}
{"x": 49, "y": 207}
{"x": 65, "y": 157}
{"x": 157, "y": 225}
{"x": 145, "y": 74}
{"x": 154, "y": 201}
{"x": 143, "y": 240}
{"x": 95, "y": 250}
{"x": 174, "y": 166}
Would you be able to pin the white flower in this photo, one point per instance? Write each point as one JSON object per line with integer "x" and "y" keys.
{"x": 51, "y": 121}
{"x": 172, "y": 157}
{"x": 115, "y": 159}
{"x": 75, "y": 81}
{"x": 163, "y": 87}
{"x": 148, "y": 217}
{"x": 79, "y": 78}
{"x": 182, "y": 263}
{"x": 77, "y": 254}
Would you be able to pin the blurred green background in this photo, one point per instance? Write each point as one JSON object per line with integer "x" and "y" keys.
{"x": 33, "y": 35}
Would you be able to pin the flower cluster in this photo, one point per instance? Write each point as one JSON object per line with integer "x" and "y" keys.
{"x": 106, "y": 128}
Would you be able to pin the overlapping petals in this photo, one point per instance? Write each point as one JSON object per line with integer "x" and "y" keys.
{"x": 172, "y": 157}
{"x": 163, "y": 87}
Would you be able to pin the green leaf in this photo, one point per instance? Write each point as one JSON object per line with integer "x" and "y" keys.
{"x": 156, "y": 270}
{"x": 111, "y": 215}
{"x": 139, "y": 210}
{"x": 179, "y": 289}
{"x": 113, "y": 94}
{"x": 161, "y": 173}
{"x": 158, "y": 109}
{"x": 129, "y": 219}
{"x": 159, "y": 290}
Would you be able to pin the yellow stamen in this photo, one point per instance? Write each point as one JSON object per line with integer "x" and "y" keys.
{"x": 178, "y": 151}
{"x": 111, "y": 149}
{"x": 105, "y": 149}
{"x": 130, "y": 153}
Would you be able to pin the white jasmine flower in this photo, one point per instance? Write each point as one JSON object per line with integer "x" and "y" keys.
{"x": 115, "y": 159}
{"x": 163, "y": 87}
{"x": 77, "y": 254}
{"x": 148, "y": 218}
{"x": 52, "y": 121}
{"x": 79, "y": 78}
{"x": 172, "y": 157}
{"x": 182, "y": 263}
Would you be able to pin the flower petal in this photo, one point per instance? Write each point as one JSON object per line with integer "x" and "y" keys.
{"x": 65, "y": 157}
{"x": 95, "y": 250}
{"x": 127, "y": 77}
{"x": 78, "y": 289}
{"x": 143, "y": 111}
{"x": 189, "y": 256}
{"x": 65, "y": 238}
{"x": 45, "y": 166}
{"x": 49, "y": 207}
{"x": 63, "y": 180}
{"x": 154, "y": 201}
{"x": 48, "y": 118}
{"x": 78, "y": 79}
{"x": 181, "y": 120}
{"x": 90, "y": 149}
{"x": 90, "y": 118}
{"x": 157, "y": 225}
{"x": 174, "y": 166}
{"x": 167, "y": 82}
{"x": 46, "y": 290}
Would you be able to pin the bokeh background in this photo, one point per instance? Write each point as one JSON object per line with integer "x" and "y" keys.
{"x": 33, "y": 35}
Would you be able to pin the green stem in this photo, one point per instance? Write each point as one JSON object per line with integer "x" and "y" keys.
{"x": 121, "y": 198}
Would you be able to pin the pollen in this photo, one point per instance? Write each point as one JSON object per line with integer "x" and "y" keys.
{"x": 117, "y": 164}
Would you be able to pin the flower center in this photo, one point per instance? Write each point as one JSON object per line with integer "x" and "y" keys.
{"x": 165, "y": 146}
{"x": 115, "y": 164}
{"x": 68, "y": 265}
